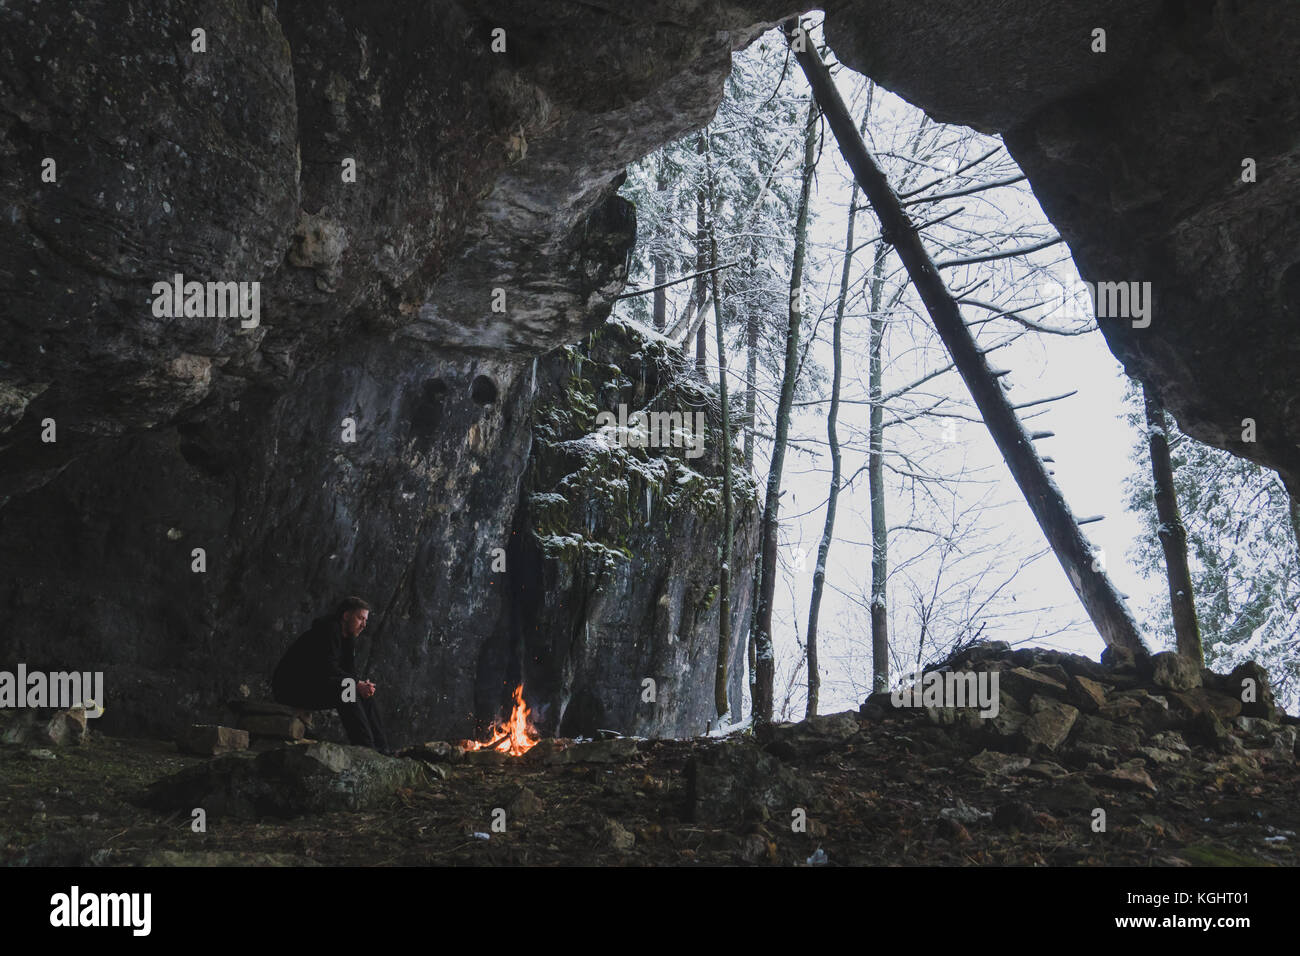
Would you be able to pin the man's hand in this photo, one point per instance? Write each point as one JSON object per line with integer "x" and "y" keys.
{"x": 366, "y": 687}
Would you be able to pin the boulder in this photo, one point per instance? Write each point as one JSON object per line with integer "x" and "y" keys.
{"x": 66, "y": 728}
{"x": 1173, "y": 671}
{"x": 291, "y": 781}
{"x": 1249, "y": 684}
{"x": 1022, "y": 683}
{"x": 1085, "y": 693}
{"x": 878, "y": 706}
{"x": 615, "y": 836}
{"x": 815, "y": 735}
{"x": 1107, "y": 733}
{"x": 1049, "y": 723}
{"x": 1201, "y": 701}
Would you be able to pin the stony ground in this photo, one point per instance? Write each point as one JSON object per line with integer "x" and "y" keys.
{"x": 906, "y": 787}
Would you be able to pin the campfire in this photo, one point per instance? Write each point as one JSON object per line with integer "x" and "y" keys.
{"x": 516, "y": 736}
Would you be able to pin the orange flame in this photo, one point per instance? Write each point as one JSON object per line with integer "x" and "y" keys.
{"x": 516, "y": 736}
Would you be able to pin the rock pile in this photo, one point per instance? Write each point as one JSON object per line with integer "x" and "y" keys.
{"x": 1120, "y": 721}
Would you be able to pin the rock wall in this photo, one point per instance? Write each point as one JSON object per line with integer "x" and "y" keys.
{"x": 482, "y": 229}
{"x": 1136, "y": 156}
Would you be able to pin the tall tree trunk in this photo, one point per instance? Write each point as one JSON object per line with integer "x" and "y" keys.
{"x": 701, "y": 263}
{"x": 765, "y": 668}
{"x": 1294, "y": 512}
{"x": 1173, "y": 536}
{"x": 659, "y": 258}
{"x": 751, "y": 384}
{"x": 1096, "y": 591}
{"x": 724, "y": 584}
{"x": 833, "y": 494}
{"x": 876, "y": 483}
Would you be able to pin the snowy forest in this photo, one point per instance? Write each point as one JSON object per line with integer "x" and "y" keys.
{"x": 901, "y": 539}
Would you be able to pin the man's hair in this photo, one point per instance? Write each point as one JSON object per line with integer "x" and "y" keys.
{"x": 350, "y": 604}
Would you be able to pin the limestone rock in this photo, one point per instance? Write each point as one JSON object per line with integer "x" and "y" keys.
{"x": 1086, "y": 694}
{"x": 615, "y": 836}
{"x": 290, "y": 781}
{"x": 1128, "y": 776}
{"x": 211, "y": 739}
{"x": 1202, "y": 701}
{"x": 1251, "y": 680}
{"x": 1049, "y": 724}
{"x": 996, "y": 764}
{"x": 66, "y": 728}
{"x": 613, "y": 750}
{"x": 1173, "y": 671}
{"x": 61, "y": 729}
{"x": 276, "y": 726}
{"x": 812, "y": 736}
{"x": 1022, "y": 683}
{"x": 1097, "y": 730}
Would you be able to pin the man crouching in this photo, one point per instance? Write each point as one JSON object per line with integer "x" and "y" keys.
{"x": 317, "y": 673}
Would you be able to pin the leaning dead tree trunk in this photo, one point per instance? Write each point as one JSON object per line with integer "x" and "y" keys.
{"x": 1096, "y": 592}
{"x": 724, "y": 584}
{"x": 1173, "y": 536}
{"x": 765, "y": 663}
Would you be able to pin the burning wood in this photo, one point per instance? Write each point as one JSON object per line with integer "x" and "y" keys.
{"x": 516, "y": 736}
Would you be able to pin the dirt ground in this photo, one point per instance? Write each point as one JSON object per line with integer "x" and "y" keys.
{"x": 877, "y": 798}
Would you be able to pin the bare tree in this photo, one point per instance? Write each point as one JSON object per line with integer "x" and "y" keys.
{"x": 1097, "y": 593}
{"x": 764, "y": 672}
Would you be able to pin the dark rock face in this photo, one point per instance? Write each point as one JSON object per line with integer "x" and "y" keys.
{"x": 1136, "y": 156}
{"x": 371, "y": 433}
{"x": 418, "y": 513}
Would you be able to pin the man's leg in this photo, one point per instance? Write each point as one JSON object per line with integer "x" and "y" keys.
{"x": 371, "y": 710}
{"x": 355, "y": 723}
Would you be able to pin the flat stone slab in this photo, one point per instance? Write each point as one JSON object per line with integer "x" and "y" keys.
{"x": 208, "y": 740}
{"x": 598, "y": 751}
{"x": 280, "y": 726}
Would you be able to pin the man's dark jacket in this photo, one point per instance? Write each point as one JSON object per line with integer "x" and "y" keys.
{"x": 312, "y": 670}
